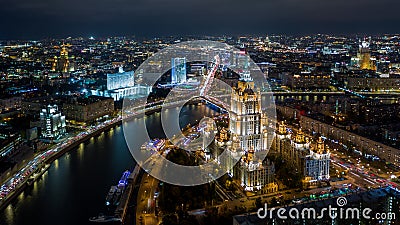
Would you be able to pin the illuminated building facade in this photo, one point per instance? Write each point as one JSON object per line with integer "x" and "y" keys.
{"x": 308, "y": 80}
{"x": 386, "y": 152}
{"x": 52, "y": 122}
{"x": 9, "y": 143}
{"x": 122, "y": 84}
{"x": 256, "y": 175}
{"x": 249, "y": 124}
{"x": 373, "y": 82}
{"x": 248, "y": 121}
{"x": 63, "y": 63}
{"x": 317, "y": 162}
{"x": 282, "y": 137}
{"x": 311, "y": 160}
{"x": 364, "y": 60}
{"x": 88, "y": 109}
{"x": 120, "y": 80}
{"x": 178, "y": 70}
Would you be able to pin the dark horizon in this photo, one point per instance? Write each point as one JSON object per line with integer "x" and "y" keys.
{"x": 197, "y": 36}
{"x": 27, "y": 20}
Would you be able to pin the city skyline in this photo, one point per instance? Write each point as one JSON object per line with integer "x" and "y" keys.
{"x": 311, "y": 119}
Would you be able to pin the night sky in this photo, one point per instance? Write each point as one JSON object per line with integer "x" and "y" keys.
{"x": 32, "y": 19}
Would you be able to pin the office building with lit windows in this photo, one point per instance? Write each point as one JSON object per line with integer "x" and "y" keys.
{"x": 10, "y": 142}
{"x": 281, "y": 139}
{"x": 307, "y": 80}
{"x": 52, "y": 122}
{"x": 88, "y": 109}
{"x": 121, "y": 85}
{"x": 120, "y": 80}
{"x": 178, "y": 70}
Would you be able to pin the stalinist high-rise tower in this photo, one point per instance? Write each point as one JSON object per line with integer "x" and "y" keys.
{"x": 249, "y": 125}
{"x": 366, "y": 62}
{"x": 248, "y": 122}
{"x": 62, "y": 63}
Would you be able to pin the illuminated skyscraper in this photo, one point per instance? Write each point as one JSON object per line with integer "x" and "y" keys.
{"x": 178, "y": 70}
{"x": 249, "y": 126}
{"x": 63, "y": 63}
{"x": 364, "y": 60}
{"x": 248, "y": 121}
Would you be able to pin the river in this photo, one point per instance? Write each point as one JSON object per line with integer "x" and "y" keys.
{"x": 75, "y": 186}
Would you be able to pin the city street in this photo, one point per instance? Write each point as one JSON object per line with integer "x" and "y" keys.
{"x": 145, "y": 211}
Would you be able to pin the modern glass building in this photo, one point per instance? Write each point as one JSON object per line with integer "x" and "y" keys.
{"x": 178, "y": 70}
{"x": 52, "y": 122}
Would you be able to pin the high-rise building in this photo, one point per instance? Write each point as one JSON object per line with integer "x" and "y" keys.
{"x": 52, "y": 122}
{"x": 63, "y": 63}
{"x": 178, "y": 70}
{"x": 298, "y": 150}
{"x": 248, "y": 121}
{"x": 249, "y": 126}
{"x": 364, "y": 60}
